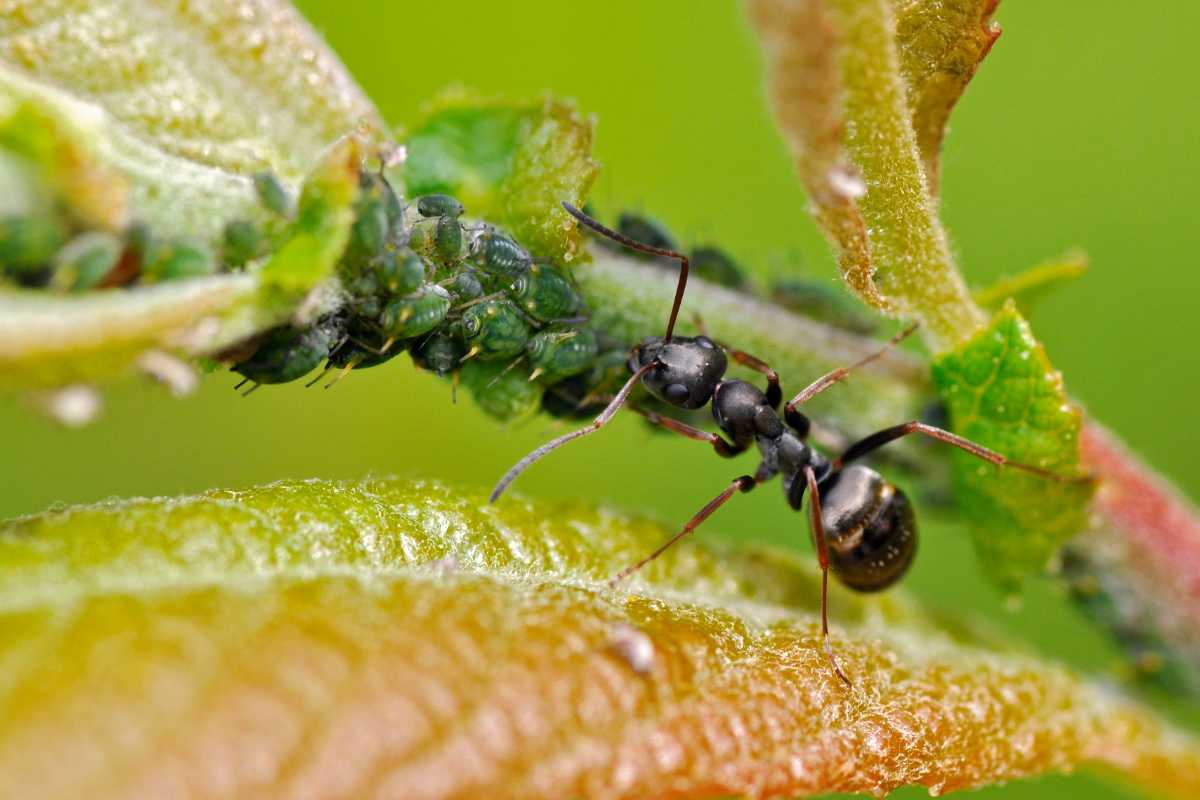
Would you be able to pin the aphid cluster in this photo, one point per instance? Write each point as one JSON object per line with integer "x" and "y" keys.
{"x": 465, "y": 300}
{"x": 45, "y": 250}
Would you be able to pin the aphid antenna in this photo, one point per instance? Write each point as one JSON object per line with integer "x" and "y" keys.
{"x": 505, "y": 371}
{"x": 634, "y": 244}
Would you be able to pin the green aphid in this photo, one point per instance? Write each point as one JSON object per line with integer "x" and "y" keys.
{"x": 494, "y": 329}
{"x": 715, "y": 266}
{"x": 499, "y": 256}
{"x": 241, "y": 243}
{"x": 28, "y": 243}
{"x": 824, "y": 303}
{"x": 173, "y": 260}
{"x": 287, "y": 353}
{"x": 398, "y": 272}
{"x": 555, "y": 355}
{"x": 546, "y": 294}
{"x": 503, "y": 393}
{"x": 84, "y": 261}
{"x": 439, "y": 353}
{"x": 364, "y": 297}
{"x": 439, "y": 205}
{"x": 414, "y": 314}
{"x": 645, "y": 230}
{"x": 466, "y": 286}
{"x": 370, "y": 229}
{"x": 440, "y": 240}
{"x": 273, "y": 195}
{"x": 392, "y": 205}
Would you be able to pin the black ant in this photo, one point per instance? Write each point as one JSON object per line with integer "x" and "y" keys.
{"x": 863, "y": 527}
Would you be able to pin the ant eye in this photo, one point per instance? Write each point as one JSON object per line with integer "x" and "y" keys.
{"x": 676, "y": 393}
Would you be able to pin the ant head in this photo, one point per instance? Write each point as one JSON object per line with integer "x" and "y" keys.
{"x": 684, "y": 370}
{"x": 871, "y": 529}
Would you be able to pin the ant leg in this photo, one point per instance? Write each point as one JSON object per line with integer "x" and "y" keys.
{"x": 774, "y": 390}
{"x": 742, "y": 484}
{"x": 817, "y": 527}
{"x": 599, "y": 422}
{"x": 883, "y": 437}
{"x": 634, "y": 244}
{"x": 723, "y": 448}
{"x": 830, "y": 378}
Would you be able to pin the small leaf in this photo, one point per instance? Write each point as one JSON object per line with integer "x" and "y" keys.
{"x": 185, "y": 101}
{"x": 318, "y": 237}
{"x": 510, "y": 163}
{"x": 382, "y": 638}
{"x": 942, "y": 43}
{"x": 1002, "y": 393}
{"x": 1027, "y": 288}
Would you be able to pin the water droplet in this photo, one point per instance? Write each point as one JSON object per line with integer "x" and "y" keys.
{"x": 846, "y": 183}
{"x": 74, "y": 406}
{"x": 634, "y": 647}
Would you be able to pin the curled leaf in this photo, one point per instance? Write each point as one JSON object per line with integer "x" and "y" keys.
{"x": 510, "y": 163}
{"x": 1002, "y": 393}
{"x": 187, "y": 101}
{"x": 49, "y": 341}
{"x": 383, "y": 638}
{"x": 941, "y": 44}
{"x": 834, "y": 68}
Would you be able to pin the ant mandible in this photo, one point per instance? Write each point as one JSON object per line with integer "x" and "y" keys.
{"x": 863, "y": 527}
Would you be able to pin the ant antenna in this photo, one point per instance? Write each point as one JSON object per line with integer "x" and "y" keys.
{"x": 603, "y": 419}
{"x": 634, "y": 244}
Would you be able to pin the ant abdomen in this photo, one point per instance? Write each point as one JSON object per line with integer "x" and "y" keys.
{"x": 871, "y": 528}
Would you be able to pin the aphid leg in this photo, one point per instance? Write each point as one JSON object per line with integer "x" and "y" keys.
{"x": 241, "y": 383}
{"x": 722, "y": 447}
{"x": 316, "y": 380}
{"x": 880, "y": 438}
{"x": 344, "y": 371}
{"x": 251, "y": 390}
{"x": 742, "y": 484}
{"x": 634, "y": 244}
{"x": 830, "y": 378}
{"x": 599, "y": 422}
{"x": 817, "y": 528}
{"x": 454, "y": 388}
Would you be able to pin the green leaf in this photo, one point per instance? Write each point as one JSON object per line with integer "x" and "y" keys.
{"x": 1002, "y": 392}
{"x": 512, "y": 164}
{"x": 358, "y": 638}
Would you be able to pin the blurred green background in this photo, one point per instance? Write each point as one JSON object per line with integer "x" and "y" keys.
{"x": 1079, "y": 129}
